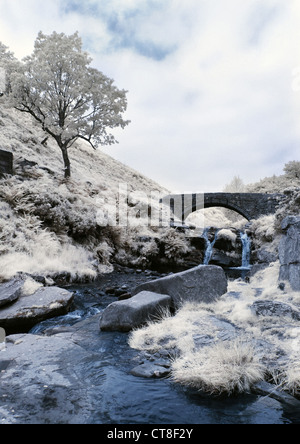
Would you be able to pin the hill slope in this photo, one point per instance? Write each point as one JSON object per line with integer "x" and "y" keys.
{"x": 48, "y": 225}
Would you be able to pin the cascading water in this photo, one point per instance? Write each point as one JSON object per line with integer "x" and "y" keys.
{"x": 246, "y": 253}
{"x": 209, "y": 246}
{"x": 232, "y": 271}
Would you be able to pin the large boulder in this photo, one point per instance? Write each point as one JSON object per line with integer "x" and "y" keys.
{"x": 204, "y": 283}
{"x": 134, "y": 312}
{"x": 27, "y": 311}
{"x": 289, "y": 252}
{"x": 10, "y": 291}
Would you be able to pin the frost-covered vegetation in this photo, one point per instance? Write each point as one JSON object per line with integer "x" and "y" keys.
{"x": 48, "y": 225}
{"x": 68, "y": 98}
{"x": 226, "y": 367}
{"x": 224, "y": 346}
{"x": 277, "y": 184}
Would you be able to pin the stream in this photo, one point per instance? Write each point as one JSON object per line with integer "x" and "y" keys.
{"x": 121, "y": 398}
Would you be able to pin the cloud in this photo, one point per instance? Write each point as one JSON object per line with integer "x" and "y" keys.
{"x": 146, "y": 28}
{"x": 210, "y": 82}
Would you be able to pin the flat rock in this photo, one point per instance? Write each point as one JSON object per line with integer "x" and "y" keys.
{"x": 38, "y": 384}
{"x": 275, "y": 308}
{"x": 134, "y": 312}
{"x": 27, "y": 311}
{"x": 10, "y": 291}
{"x": 205, "y": 283}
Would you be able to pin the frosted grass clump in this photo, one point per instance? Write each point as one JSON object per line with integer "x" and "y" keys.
{"x": 227, "y": 367}
{"x": 290, "y": 380}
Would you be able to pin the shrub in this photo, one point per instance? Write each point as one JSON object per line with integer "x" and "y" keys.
{"x": 174, "y": 244}
{"x": 292, "y": 170}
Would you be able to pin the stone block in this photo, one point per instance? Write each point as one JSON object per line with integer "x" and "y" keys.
{"x": 134, "y": 312}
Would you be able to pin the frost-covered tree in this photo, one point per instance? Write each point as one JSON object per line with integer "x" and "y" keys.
{"x": 70, "y": 99}
{"x": 235, "y": 186}
{"x": 292, "y": 169}
{"x": 6, "y": 60}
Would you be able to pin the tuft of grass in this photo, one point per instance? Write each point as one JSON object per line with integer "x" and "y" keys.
{"x": 291, "y": 381}
{"x": 227, "y": 367}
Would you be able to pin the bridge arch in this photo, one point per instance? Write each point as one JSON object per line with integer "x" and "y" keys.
{"x": 248, "y": 205}
{"x": 228, "y": 206}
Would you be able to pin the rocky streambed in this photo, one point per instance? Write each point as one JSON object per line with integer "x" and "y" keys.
{"x": 66, "y": 370}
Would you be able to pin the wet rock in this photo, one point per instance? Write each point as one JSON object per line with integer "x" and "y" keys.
{"x": 134, "y": 312}
{"x": 110, "y": 290}
{"x": 201, "y": 284}
{"x": 265, "y": 389}
{"x": 10, "y": 291}
{"x": 265, "y": 257}
{"x": 221, "y": 258}
{"x": 150, "y": 370}
{"x": 124, "y": 296}
{"x": 120, "y": 291}
{"x": 117, "y": 291}
{"x": 27, "y": 311}
{"x": 36, "y": 384}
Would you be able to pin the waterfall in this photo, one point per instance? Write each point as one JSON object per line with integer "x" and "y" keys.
{"x": 209, "y": 246}
{"x": 246, "y": 250}
{"x": 246, "y": 242}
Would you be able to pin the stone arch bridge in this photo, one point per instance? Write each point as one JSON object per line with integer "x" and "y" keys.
{"x": 248, "y": 205}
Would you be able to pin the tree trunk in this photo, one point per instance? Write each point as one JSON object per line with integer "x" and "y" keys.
{"x": 66, "y": 162}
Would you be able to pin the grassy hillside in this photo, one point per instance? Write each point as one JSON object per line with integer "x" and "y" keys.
{"x": 48, "y": 225}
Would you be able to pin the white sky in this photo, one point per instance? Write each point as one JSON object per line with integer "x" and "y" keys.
{"x": 214, "y": 85}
